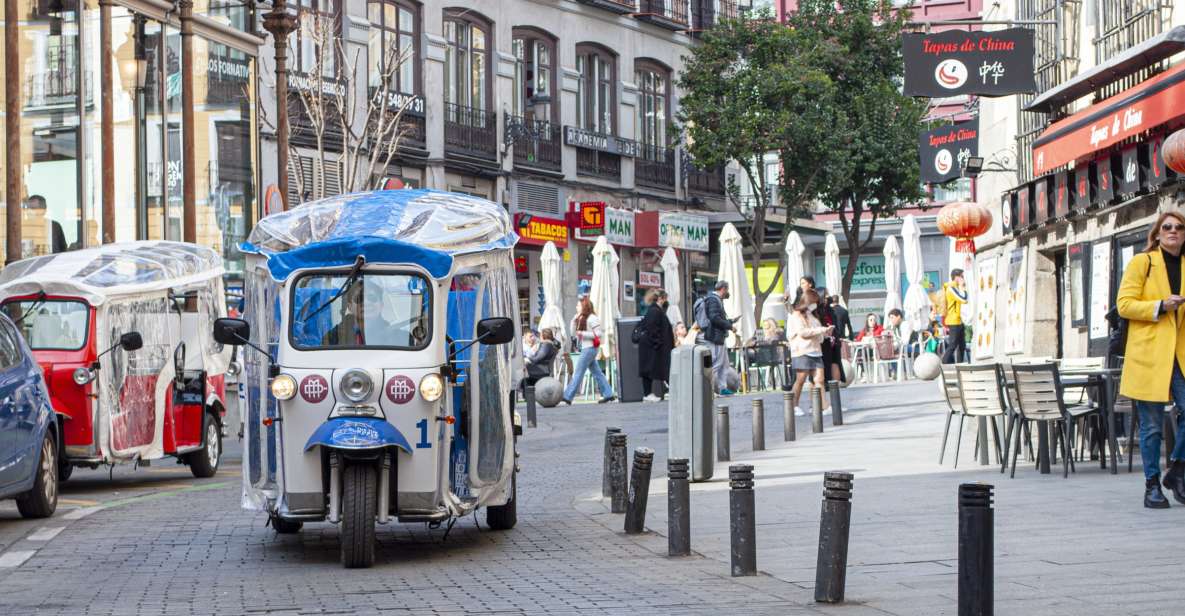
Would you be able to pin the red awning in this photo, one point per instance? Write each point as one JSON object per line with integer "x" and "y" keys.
{"x": 1129, "y": 113}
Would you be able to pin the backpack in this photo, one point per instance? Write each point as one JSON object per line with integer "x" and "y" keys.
{"x": 700, "y": 312}
{"x": 1117, "y": 337}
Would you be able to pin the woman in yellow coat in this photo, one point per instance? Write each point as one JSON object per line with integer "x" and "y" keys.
{"x": 1150, "y": 298}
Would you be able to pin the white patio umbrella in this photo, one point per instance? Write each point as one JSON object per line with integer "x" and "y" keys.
{"x": 966, "y": 262}
{"x": 603, "y": 294}
{"x": 917, "y": 302}
{"x": 834, "y": 273}
{"x": 892, "y": 275}
{"x": 732, "y": 271}
{"x": 793, "y": 272}
{"x": 670, "y": 284}
{"x": 553, "y": 313}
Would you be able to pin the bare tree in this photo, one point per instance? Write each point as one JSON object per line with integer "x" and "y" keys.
{"x": 329, "y": 100}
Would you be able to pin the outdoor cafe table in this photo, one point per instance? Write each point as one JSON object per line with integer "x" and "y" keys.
{"x": 1103, "y": 381}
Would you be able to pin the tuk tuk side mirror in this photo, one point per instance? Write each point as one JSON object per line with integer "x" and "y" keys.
{"x": 131, "y": 341}
{"x": 495, "y": 330}
{"x": 234, "y": 332}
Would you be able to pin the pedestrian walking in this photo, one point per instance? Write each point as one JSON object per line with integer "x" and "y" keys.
{"x": 587, "y": 328}
{"x": 955, "y": 293}
{"x": 832, "y": 346}
{"x": 655, "y": 340}
{"x": 715, "y": 327}
{"x": 541, "y": 357}
{"x": 1150, "y": 298}
{"x": 805, "y": 334}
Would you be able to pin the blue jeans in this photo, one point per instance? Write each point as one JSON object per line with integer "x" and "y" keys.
{"x": 1152, "y": 427}
{"x": 587, "y": 361}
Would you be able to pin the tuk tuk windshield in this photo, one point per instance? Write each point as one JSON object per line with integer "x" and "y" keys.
{"x": 376, "y": 310}
{"x": 59, "y": 325}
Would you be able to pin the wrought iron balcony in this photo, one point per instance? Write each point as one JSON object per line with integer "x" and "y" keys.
{"x": 671, "y": 14}
{"x": 655, "y": 167}
{"x": 617, "y": 6}
{"x": 470, "y": 132}
{"x": 706, "y": 14}
{"x": 594, "y": 163}
{"x": 536, "y": 143}
{"x": 709, "y": 181}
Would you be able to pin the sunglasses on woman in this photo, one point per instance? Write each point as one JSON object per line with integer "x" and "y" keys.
{"x": 1171, "y": 227}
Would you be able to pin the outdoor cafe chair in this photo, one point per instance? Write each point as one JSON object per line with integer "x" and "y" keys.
{"x": 886, "y": 353}
{"x": 1040, "y": 399}
{"x": 766, "y": 361}
{"x": 954, "y": 404}
{"x": 981, "y": 394}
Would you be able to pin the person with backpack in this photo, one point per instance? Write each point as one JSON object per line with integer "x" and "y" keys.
{"x": 655, "y": 339}
{"x": 1151, "y": 298}
{"x": 715, "y": 326}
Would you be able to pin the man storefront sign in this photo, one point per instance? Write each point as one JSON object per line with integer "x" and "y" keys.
{"x": 683, "y": 231}
{"x": 618, "y": 227}
{"x": 538, "y": 230}
{"x": 954, "y": 62}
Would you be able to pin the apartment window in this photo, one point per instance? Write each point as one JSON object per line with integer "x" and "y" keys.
{"x": 595, "y": 97}
{"x": 534, "y": 74}
{"x": 315, "y": 38}
{"x": 393, "y": 52}
{"x": 466, "y": 61}
{"x": 653, "y": 103}
{"x": 1123, "y": 24}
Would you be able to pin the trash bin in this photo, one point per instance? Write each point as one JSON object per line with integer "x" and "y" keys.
{"x": 690, "y": 424}
{"x": 629, "y": 383}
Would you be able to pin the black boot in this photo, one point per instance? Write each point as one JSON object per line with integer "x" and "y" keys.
{"x": 1153, "y": 497}
{"x": 1175, "y": 480}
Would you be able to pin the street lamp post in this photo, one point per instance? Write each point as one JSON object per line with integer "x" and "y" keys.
{"x": 188, "y": 138}
{"x": 12, "y": 132}
{"x": 280, "y": 24}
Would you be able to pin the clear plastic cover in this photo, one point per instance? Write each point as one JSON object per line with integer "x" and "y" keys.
{"x": 261, "y": 309}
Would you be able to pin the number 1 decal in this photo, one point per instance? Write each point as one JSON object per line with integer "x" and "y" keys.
{"x": 423, "y": 426}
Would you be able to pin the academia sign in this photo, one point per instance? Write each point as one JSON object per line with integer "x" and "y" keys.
{"x": 683, "y": 231}
{"x": 942, "y": 64}
{"x": 589, "y": 140}
{"x": 943, "y": 152}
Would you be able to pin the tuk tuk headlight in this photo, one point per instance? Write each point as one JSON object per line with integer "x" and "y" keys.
{"x": 283, "y": 387}
{"x": 82, "y": 376}
{"x": 356, "y": 385}
{"x": 431, "y": 387}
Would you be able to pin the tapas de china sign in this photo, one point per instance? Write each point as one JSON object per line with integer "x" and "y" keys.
{"x": 943, "y": 152}
{"x": 954, "y": 62}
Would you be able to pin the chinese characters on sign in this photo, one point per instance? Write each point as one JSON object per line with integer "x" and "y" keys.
{"x": 954, "y": 62}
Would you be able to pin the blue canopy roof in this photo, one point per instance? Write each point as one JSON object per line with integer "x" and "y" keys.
{"x": 424, "y": 227}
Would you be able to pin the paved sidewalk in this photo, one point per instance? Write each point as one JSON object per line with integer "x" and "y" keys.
{"x": 1083, "y": 545}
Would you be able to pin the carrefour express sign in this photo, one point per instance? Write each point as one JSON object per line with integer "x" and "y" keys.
{"x": 683, "y": 231}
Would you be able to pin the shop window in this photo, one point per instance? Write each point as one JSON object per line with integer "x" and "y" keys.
{"x": 393, "y": 49}
{"x": 596, "y": 100}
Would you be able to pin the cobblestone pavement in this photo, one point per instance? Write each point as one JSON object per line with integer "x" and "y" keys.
{"x": 174, "y": 545}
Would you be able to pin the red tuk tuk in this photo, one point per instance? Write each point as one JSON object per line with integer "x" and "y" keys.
{"x": 122, "y": 334}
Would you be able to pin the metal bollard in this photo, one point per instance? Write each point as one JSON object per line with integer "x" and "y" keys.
{"x": 530, "y": 396}
{"x": 976, "y": 550}
{"x": 816, "y": 410}
{"x": 835, "y": 521}
{"x": 635, "y": 511}
{"x": 758, "y": 425}
{"x": 605, "y": 469}
{"x": 741, "y": 523}
{"x": 723, "y": 451}
{"x": 617, "y": 472}
{"x": 678, "y": 508}
{"x": 789, "y": 430}
{"x": 836, "y": 403}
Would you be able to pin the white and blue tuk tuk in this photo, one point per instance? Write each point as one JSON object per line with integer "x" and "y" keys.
{"x": 379, "y": 380}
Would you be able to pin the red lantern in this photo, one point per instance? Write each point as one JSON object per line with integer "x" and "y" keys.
{"x": 1173, "y": 151}
{"x": 964, "y": 222}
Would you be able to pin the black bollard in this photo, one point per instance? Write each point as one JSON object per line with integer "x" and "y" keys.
{"x": 678, "y": 508}
{"x": 742, "y": 524}
{"x": 836, "y": 403}
{"x": 758, "y": 425}
{"x": 635, "y": 511}
{"x": 605, "y": 470}
{"x": 787, "y": 370}
{"x": 617, "y": 472}
{"x": 530, "y": 396}
{"x": 789, "y": 430}
{"x": 835, "y": 521}
{"x": 976, "y": 550}
{"x": 723, "y": 445}
{"x": 817, "y": 410}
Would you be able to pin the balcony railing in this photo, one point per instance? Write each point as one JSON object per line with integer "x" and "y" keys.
{"x": 536, "y": 144}
{"x": 598, "y": 164}
{"x": 655, "y": 167}
{"x": 471, "y": 132}
{"x": 56, "y": 85}
{"x": 710, "y": 181}
{"x": 706, "y": 14}
{"x": 666, "y": 13}
{"x": 617, "y": 6}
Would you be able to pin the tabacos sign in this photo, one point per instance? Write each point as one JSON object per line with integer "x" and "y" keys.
{"x": 685, "y": 231}
{"x": 537, "y": 230}
{"x": 954, "y": 62}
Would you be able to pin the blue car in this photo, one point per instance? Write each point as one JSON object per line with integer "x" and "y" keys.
{"x": 29, "y": 429}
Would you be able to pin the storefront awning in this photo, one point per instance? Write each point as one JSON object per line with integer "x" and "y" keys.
{"x": 1127, "y": 114}
{"x": 1125, "y": 64}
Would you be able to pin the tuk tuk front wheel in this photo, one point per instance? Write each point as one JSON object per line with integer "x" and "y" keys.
{"x": 42, "y": 500}
{"x": 204, "y": 462}
{"x": 504, "y": 517}
{"x": 359, "y": 504}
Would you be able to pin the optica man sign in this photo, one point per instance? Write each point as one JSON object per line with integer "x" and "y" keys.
{"x": 953, "y": 62}
{"x": 685, "y": 231}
